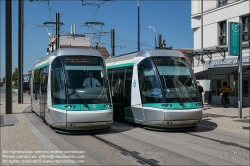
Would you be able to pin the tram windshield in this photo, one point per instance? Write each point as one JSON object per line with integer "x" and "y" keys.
{"x": 79, "y": 80}
{"x": 176, "y": 79}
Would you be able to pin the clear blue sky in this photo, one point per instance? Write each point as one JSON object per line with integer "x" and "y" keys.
{"x": 171, "y": 19}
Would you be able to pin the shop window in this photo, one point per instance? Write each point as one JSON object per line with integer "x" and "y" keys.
{"x": 222, "y": 3}
{"x": 246, "y": 28}
{"x": 222, "y": 33}
{"x": 218, "y": 86}
{"x": 214, "y": 87}
{"x": 245, "y": 88}
{"x": 232, "y": 84}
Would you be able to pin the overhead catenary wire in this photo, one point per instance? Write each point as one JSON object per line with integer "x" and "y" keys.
{"x": 61, "y": 14}
{"x": 126, "y": 43}
{"x": 49, "y": 10}
{"x": 121, "y": 37}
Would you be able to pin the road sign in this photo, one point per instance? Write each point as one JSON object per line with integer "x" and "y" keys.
{"x": 234, "y": 38}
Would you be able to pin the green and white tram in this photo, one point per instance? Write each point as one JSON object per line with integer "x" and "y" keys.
{"x": 154, "y": 88}
{"x": 59, "y": 97}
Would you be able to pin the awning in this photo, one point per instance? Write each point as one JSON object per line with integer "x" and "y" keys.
{"x": 218, "y": 73}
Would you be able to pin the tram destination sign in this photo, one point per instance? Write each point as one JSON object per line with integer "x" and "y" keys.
{"x": 234, "y": 41}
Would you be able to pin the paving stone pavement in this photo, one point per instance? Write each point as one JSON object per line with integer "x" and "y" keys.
{"x": 227, "y": 119}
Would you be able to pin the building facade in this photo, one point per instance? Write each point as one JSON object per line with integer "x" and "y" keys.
{"x": 211, "y": 63}
{"x": 75, "y": 40}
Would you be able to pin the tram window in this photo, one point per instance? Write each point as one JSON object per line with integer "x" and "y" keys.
{"x": 176, "y": 78}
{"x": 110, "y": 74}
{"x": 150, "y": 88}
{"x": 115, "y": 82}
{"x": 121, "y": 81}
{"x": 110, "y": 78}
{"x": 127, "y": 90}
{"x": 36, "y": 85}
{"x": 44, "y": 79}
{"x": 57, "y": 82}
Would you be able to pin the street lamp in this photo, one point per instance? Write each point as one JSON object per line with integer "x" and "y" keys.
{"x": 155, "y": 34}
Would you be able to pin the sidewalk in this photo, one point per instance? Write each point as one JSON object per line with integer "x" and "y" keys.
{"x": 226, "y": 119}
{"x": 19, "y": 135}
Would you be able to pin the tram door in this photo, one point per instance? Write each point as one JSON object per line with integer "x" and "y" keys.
{"x": 43, "y": 91}
{"x": 118, "y": 92}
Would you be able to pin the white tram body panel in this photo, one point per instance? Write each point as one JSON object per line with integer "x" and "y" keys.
{"x": 170, "y": 112}
{"x": 59, "y": 97}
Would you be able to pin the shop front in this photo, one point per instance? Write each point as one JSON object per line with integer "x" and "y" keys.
{"x": 219, "y": 71}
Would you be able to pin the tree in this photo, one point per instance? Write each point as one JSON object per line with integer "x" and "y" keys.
{"x": 15, "y": 74}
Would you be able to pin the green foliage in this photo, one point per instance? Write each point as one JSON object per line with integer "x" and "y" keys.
{"x": 15, "y": 87}
{"x": 15, "y": 74}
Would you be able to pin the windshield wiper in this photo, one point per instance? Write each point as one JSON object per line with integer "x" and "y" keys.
{"x": 174, "y": 90}
{"x": 79, "y": 97}
{"x": 164, "y": 79}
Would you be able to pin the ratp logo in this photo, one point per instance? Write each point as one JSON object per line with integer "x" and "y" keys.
{"x": 134, "y": 83}
{"x": 236, "y": 27}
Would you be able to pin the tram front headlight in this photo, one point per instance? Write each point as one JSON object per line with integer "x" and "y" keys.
{"x": 108, "y": 106}
{"x": 198, "y": 104}
{"x": 68, "y": 106}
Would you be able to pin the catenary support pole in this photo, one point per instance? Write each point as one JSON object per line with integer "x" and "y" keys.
{"x": 20, "y": 50}
{"x": 8, "y": 56}
{"x": 138, "y": 1}
{"x": 112, "y": 42}
{"x": 202, "y": 30}
{"x": 57, "y": 30}
{"x": 240, "y": 76}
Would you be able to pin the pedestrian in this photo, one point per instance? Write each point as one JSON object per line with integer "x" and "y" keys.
{"x": 224, "y": 93}
{"x": 200, "y": 89}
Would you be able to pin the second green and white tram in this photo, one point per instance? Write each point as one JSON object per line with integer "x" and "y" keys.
{"x": 154, "y": 88}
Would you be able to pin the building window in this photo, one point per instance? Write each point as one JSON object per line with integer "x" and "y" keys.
{"x": 222, "y": 32}
{"x": 222, "y": 3}
{"x": 246, "y": 28}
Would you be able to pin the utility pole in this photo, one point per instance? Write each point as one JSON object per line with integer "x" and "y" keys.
{"x": 8, "y": 56}
{"x": 58, "y": 24}
{"x": 20, "y": 50}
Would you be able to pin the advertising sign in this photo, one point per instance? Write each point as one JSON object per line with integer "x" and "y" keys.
{"x": 234, "y": 38}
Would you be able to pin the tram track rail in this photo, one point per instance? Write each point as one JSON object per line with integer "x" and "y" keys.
{"x": 124, "y": 151}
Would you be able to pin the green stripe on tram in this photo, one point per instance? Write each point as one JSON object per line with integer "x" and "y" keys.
{"x": 40, "y": 66}
{"x": 81, "y": 107}
{"x": 120, "y": 65}
{"x": 186, "y": 105}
